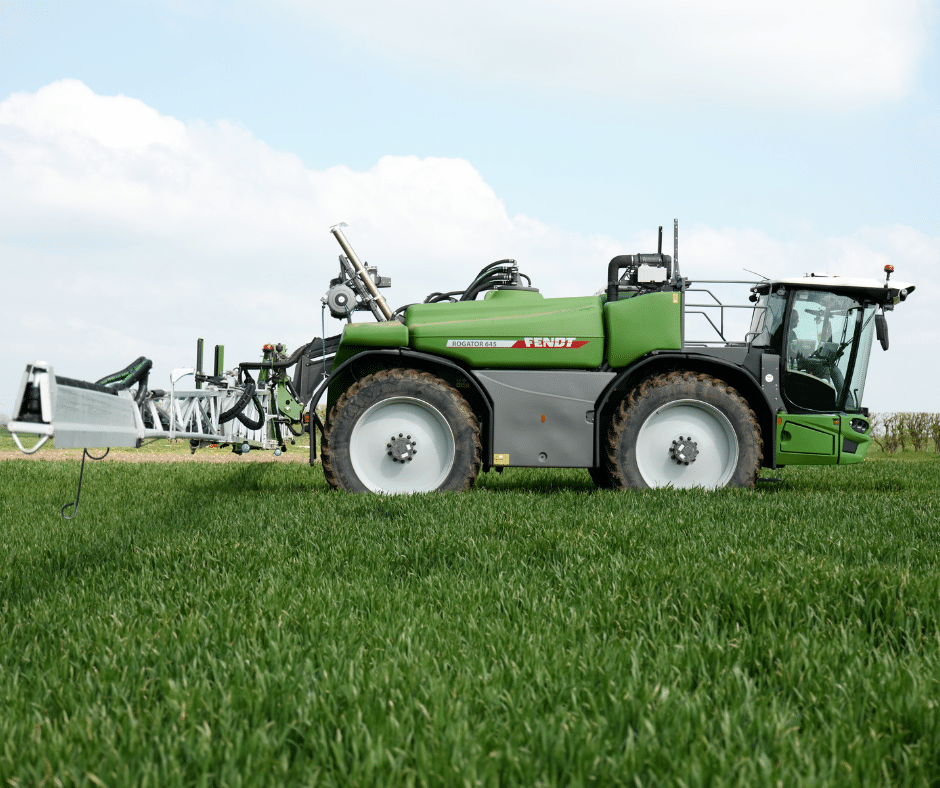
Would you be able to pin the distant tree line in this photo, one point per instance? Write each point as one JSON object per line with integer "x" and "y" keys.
{"x": 900, "y": 431}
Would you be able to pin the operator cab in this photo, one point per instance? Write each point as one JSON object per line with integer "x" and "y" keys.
{"x": 822, "y": 328}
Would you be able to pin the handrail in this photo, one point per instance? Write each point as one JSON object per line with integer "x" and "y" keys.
{"x": 718, "y": 304}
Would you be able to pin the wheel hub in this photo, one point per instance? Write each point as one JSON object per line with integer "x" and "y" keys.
{"x": 684, "y": 450}
{"x": 401, "y": 448}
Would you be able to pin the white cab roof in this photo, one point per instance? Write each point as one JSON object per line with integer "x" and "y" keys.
{"x": 874, "y": 288}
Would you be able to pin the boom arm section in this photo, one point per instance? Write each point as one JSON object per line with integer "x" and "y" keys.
{"x": 78, "y": 414}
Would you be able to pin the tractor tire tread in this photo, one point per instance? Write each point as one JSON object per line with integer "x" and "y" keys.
{"x": 702, "y": 383}
{"x": 388, "y": 383}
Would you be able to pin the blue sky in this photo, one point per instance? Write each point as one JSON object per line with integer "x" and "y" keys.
{"x": 169, "y": 170}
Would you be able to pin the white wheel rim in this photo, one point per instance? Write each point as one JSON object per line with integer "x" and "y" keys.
{"x": 430, "y": 433}
{"x": 691, "y": 420}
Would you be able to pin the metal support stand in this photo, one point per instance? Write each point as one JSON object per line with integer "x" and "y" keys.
{"x": 78, "y": 495}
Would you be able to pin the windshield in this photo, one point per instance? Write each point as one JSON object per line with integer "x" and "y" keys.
{"x": 826, "y": 350}
{"x": 767, "y": 320}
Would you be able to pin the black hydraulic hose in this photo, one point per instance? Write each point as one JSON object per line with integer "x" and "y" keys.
{"x": 294, "y": 357}
{"x": 435, "y": 298}
{"x": 506, "y": 261}
{"x": 486, "y": 278}
{"x": 239, "y": 406}
{"x": 288, "y": 362}
{"x": 252, "y": 424}
{"x": 481, "y": 284}
{"x": 487, "y": 283}
{"x": 135, "y": 372}
{"x": 138, "y": 371}
{"x": 471, "y": 293}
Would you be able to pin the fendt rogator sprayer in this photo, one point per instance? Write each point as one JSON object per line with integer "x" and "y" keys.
{"x": 431, "y": 393}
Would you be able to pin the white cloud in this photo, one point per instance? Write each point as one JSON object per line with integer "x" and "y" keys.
{"x": 123, "y": 232}
{"x": 126, "y": 232}
{"x": 662, "y": 51}
{"x": 69, "y": 112}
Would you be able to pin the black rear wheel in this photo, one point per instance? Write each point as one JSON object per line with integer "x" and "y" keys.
{"x": 401, "y": 431}
{"x": 602, "y": 477}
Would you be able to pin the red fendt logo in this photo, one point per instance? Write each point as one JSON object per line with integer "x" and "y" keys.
{"x": 551, "y": 342}
{"x": 525, "y": 342}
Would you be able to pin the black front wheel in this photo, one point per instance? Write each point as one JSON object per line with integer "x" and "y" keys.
{"x": 684, "y": 429}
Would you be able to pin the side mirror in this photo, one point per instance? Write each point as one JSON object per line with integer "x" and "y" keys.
{"x": 881, "y": 330}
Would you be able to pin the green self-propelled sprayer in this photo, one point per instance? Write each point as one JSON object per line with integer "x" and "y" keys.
{"x": 498, "y": 376}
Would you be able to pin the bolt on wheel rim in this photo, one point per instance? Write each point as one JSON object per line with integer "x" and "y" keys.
{"x": 402, "y": 445}
{"x": 685, "y": 423}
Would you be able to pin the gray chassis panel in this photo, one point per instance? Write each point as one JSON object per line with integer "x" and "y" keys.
{"x": 544, "y": 418}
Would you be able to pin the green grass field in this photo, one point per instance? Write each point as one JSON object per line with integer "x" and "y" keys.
{"x": 241, "y": 624}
